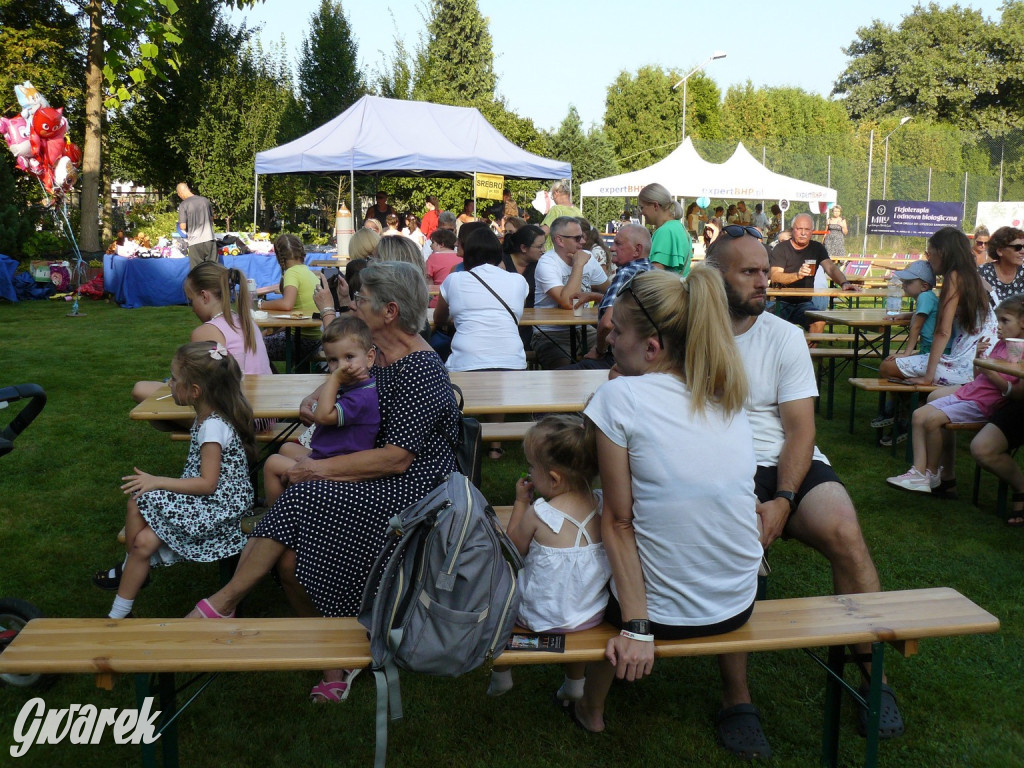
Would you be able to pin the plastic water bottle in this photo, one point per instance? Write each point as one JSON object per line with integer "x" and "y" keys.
{"x": 251, "y": 285}
{"x": 894, "y": 296}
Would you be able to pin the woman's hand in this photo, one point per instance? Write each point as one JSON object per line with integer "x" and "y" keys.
{"x": 140, "y": 482}
{"x": 303, "y": 470}
{"x": 306, "y": 408}
{"x": 322, "y": 296}
{"x": 524, "y": 490}
{"x": 632, "y": 659}
{"x": 923, "y": 381}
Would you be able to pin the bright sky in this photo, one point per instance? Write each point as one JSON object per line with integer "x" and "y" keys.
{"x": 588, "y": 44}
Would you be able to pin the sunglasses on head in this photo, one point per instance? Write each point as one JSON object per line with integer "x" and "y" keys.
{"x": 735, "y": 230}
{"x": 628, "y": 286}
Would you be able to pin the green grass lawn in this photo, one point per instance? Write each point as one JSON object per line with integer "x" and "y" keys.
{"x": 60, "y": 508}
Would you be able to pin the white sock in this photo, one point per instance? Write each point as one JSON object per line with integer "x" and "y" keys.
{"x": 501, "y": 682}
{"x": 571, "y": 690}
{"x": 120, "y": 608}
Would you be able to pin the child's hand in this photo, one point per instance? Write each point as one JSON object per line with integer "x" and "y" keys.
{"x": 140, "y": 482}
{"x": 983, "y": 344}
{"x": 524, "y": 490}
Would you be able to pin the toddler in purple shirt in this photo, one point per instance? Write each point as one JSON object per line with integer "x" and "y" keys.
{"x": 347, "y": 410}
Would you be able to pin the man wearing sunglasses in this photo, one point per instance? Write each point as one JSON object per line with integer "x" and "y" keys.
{"x": 631, "y": 252}
{"x": 564, "y": 272}
{"x": 799, "y": 494}
{"x": 793, "y": 264}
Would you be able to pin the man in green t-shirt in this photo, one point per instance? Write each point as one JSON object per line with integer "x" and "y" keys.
{"x": 561, "y": 194}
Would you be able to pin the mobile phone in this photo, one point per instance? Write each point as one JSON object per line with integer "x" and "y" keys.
{"x": 333, "y": 277}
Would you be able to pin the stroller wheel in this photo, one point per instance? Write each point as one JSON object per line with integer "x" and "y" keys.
{"x": 15, "y": 614}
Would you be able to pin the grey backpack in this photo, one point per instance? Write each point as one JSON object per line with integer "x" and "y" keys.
{"x": 441, "y": 598}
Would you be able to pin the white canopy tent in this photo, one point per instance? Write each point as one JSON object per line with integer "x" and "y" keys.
{"x": 685, "y": 174}
{"x": 390, "y": 137}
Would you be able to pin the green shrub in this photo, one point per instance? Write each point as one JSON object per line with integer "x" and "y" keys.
{"x": 44, "y": 245}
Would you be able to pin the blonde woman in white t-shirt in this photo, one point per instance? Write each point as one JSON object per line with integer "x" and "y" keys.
{"x": 676, "y": 457}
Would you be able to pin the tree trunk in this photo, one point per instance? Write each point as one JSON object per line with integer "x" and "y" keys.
{"x": 91, "y": 151}
{"x": 106, "y": 184}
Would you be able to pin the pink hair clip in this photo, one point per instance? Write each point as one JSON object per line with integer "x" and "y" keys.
{"x": 218, "y": 352}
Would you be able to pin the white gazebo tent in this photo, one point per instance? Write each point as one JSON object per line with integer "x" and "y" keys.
{"x": 685, "y": 174}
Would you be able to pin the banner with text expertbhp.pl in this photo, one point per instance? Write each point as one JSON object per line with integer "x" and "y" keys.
{"x": 912, "y": 218}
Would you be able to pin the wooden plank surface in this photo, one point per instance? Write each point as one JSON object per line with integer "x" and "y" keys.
{"x": 1002, "y": 366}
{"x": 870, "y": 318}
{"x": 105, "y": 646}
{"x": 278, "y": 396}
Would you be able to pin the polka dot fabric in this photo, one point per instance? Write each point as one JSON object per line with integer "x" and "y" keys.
{"x": 338, "y": 529}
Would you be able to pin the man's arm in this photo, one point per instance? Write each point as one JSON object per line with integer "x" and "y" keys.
{"x": 795, "y": 459}
{"x": 837, "y": 276}
{"x": 563, "y": 294}
{"x": 779, "y": 276}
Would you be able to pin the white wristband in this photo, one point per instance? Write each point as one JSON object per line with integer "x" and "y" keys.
{"x": 635, "y": 636}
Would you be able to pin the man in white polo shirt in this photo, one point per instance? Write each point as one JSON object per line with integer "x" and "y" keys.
{"x": 564, "y": 272}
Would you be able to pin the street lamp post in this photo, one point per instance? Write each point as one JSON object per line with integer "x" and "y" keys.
{"x": 885, "y": 164}
{"x": 695, "y": 70}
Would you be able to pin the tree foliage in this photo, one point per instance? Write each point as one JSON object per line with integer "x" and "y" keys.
{"x": 241, "y": 117}
{"x": 643, "y": 116}
{"x": 146, "y": 133}
{"x": 455, "y": 63}
{"x": 329, "y": 77}
{"x": 590, "y": 153}
{"x": 945, "y": 64}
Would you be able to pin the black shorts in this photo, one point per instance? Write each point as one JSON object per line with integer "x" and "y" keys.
{"x": 766, "y": 480}
{"x": 1010, "y": 421}
{"x": 613, "y": 615}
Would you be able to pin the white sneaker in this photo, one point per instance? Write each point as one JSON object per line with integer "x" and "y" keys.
{"x": 912, "y": 480}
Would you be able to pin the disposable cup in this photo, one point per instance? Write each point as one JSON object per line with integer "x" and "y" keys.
{"x": 577, "y": 307}
{"x": 1014, "y": 350}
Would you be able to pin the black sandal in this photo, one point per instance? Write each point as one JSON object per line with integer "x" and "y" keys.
{"x": 104, "y": 580}
{"x": 1016, "y": 518}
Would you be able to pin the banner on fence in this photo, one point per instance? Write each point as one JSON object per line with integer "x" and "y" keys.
{"x": 996, "y": 215}
{"x": 912, "y": 218}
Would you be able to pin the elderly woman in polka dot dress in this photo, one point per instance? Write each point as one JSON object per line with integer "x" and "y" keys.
{"x": 324, "y": 533}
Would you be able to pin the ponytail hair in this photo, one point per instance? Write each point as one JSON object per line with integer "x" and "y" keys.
{"x": 562, "y": 442}
{"x": 659, "y": 195}
{"x": 692, "y": 316}
{"x": 219, "y": 281}
{"x": 220, "y": 382}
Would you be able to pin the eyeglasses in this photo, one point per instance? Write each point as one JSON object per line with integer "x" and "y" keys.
{"x": 1018, "y": 247}
{"x": 735, "y": 230}
{"x": 359, "y": 298}
{"x": 577, "y": 238}
{"x": 629, "y": 287}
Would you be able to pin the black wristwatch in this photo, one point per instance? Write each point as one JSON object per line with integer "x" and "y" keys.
{"x": 638, "y": 626}
{"x": 788, "y": 496}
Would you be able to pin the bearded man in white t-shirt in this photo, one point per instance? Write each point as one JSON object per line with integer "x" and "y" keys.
{"x": 563, "y": 273}
{"x": 799, "y": 494}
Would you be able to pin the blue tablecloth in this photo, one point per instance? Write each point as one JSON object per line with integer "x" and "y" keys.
{"x": 8, "y": 267}
{"x": 158, "y": 282}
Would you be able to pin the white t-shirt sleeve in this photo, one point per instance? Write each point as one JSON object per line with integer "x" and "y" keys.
{"x": 215, "y": 431}
{"x": 594, "y": 273}
{"x": 796, "y": 371}
{"x": 611, "y": 409}
{"x": 546, "y": 277}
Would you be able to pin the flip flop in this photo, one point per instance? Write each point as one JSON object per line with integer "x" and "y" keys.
{"x": 739, "y": 731}
{"x": 334, "y": 691}
{"x": 890, "y": 721}
{"x": 207, "y": 611}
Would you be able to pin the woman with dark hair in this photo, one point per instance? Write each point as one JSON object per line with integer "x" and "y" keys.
{"x": 1005, "y": 273}
{"x": 325, "y": 531}
{"x": 965, "y": 315}
{"x": 485, "y": 303}
{"x": 522, "y": 252}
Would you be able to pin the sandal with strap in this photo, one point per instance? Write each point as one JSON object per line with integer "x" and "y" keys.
{"x": 1016, "y": 518}
{"x": 739, "y": 731}
{"x": 334, "y": 691}
{"x": 110, "y": 579}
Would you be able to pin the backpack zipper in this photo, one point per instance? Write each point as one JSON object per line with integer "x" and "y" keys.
{"x": 462, "y": 534}
{"x": 504, "y": 611}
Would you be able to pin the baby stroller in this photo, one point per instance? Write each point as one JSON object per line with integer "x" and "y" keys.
{"x": 15, "y": 613}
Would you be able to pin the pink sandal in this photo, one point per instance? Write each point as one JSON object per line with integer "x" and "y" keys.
{"x": 334, "y": 691}
{"x": 207, "y": 611}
